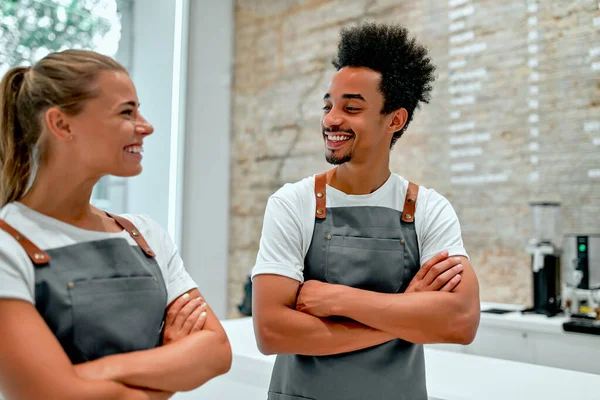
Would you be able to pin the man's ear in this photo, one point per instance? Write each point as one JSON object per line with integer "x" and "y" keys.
{"x": 399, "y": 118}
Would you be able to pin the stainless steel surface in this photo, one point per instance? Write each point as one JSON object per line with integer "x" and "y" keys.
{"x": 569, "y": 259}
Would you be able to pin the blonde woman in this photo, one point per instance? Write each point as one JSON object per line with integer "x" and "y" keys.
{"x": 92, "y": 305}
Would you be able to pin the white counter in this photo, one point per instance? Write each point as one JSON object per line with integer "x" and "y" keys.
{"x": 531, "y": 338}
{"x": 518, "y": 320}
{"x": 450, "y": 376}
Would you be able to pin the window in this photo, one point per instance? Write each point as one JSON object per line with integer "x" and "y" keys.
{"x": 30, "y": 29}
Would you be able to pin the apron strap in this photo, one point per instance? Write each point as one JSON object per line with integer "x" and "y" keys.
{"x": 37, "y": 256}
{"x": 408, "y": 212}
{"x": 135, "y": 234}
{"x": 321, "y": 192}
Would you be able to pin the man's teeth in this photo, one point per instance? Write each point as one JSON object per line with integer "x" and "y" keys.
{"x": 134, "y": 149}
{"x": 337, "y": 138}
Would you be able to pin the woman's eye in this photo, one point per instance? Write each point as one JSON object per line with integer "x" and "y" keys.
{"x": 326, "y": 108}
{"x": 127, "y": 112}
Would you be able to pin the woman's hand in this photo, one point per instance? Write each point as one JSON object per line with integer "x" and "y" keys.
{"x": 184, "y": 316}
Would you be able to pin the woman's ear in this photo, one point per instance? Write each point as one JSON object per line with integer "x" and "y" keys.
{"x": 57, "y": 123}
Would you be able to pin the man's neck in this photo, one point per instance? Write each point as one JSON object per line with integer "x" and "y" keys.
{"x": 356, "y": 179}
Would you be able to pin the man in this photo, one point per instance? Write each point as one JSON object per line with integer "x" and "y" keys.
{"x": 358, "y": 268}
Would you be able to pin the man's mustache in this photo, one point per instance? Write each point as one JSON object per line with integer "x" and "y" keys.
{"x": 336, "y": 130}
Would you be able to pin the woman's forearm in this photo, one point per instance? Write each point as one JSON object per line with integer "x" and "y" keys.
{"x": 102, "y": 390}
{"x": 179, "y": 366}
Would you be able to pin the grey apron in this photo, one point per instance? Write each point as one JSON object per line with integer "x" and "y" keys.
{"x": 101, "y": 297}
{"x": 371, "y": 248}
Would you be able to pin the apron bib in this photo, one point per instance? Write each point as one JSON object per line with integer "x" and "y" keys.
{"x": 370, "y": 248}
{"x": 101, "y": 297}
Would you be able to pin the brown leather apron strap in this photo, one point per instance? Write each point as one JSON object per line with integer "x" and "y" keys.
{"x": 37, "y": 256}
{"x": 408, "y": 212}
{"x": 135, "y": 234}
{"x": 321, "y": 192}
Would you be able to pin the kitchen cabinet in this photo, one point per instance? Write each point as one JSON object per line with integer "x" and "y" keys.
{"x": 507, "y": 344}
{"x": 575, "y": 351}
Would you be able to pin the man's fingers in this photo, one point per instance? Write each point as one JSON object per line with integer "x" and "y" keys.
{"x": 440, "y": 268}
{"x": 185, "y": 312}
{"x": 430, "y": 263}
{"x": 445, "y": 277}
{"x": 450, "y": 286}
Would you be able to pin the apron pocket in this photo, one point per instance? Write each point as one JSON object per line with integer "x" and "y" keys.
{"x": 366, "y": 263}
{"x": 279, "y": 396}
{"x": 116, "y": 315}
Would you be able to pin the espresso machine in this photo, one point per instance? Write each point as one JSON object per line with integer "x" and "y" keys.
{"x": 581, "y": 283}
{"x": 545, "y": 250}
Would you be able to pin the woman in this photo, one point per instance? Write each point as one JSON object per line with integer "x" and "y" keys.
{"x": 92, "y": 305}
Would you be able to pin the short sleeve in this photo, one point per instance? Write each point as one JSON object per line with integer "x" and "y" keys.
{"x": 177, "y": 279}
{"x": 17, "y": 280}
{"x": 280, "y": 250}
{"x": 440, "y": 229}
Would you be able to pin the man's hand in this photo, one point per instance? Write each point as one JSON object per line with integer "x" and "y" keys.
{"x": 185, "y": 315}
{"x": 439, "y": 273}
{"x": 317, "y": 298}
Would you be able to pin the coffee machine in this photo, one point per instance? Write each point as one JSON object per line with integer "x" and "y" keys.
{"x": 581, "y": 260}
{"x": 581, "y": 283}
{"x": 545, "y": 250}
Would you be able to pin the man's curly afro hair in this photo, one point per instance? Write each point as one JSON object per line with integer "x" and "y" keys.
{"x": 406, "y": 69}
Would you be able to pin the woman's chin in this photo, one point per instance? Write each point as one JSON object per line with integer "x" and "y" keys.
{"x": 128, "y": 172}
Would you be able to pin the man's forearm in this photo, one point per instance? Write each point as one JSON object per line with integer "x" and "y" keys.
{"x": 294, "y": 332}
{"x": 178, "y": 366}
{"x": 429, "y": 317}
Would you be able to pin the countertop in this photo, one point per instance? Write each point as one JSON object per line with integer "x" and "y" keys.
{"x": 450, "y": 375}
{"x": 518, "y": 320}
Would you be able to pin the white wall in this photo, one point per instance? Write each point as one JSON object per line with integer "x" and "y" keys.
{"x": 185, "y": 182}
{"x": 152, "y": 73}
{"x": 206, "y": 175}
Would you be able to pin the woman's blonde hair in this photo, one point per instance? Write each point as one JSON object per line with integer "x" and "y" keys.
{"x": 65, "y": 80}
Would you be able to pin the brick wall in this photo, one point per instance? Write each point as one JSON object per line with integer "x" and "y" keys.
{"x": 514, "y": 117}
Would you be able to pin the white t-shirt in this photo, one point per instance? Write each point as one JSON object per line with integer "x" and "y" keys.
{"x": 17, "y": 276}
{"x": 289, "y": 222}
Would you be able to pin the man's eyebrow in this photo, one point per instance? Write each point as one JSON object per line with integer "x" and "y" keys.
{"x": 356, "y": 96}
